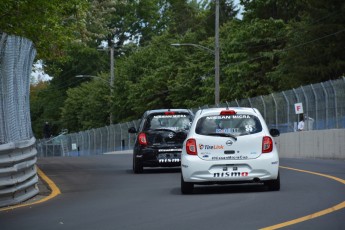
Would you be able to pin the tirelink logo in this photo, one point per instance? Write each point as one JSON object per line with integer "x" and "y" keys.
{"x": 201, "y": 146}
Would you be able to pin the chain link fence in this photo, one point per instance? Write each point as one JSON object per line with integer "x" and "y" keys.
{"x": 18, "y": 176}
{"x": 323, "y": 105}
{"x": 90, "y": 142}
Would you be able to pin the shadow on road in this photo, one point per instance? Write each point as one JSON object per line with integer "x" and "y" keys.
{"x": 158, "y": 170}
{"x": 222, "y": 189}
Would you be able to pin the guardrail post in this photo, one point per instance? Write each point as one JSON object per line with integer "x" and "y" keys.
{"x": 326, "y": 105}
{"x": 335, "y": 105}
{"x": 288, "y": 108}
{"x": 316, "y": 107}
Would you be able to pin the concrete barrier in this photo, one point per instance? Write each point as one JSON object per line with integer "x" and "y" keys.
{"x": 326, "y": 144}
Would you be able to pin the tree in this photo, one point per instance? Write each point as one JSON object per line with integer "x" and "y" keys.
{"x": 51, "y": 25}
{"x": 276, "y": 9}
{"x": 227, "y": 12}
{"x": 248, "y": 54}
{"x": 87, "y": 106}
{"x": 120, "y": 22}
{"x": 144, "y": 77}
{"x": 314, "y": 50}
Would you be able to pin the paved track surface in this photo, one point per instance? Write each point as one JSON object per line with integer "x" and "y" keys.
{"x": 101, "y": 193}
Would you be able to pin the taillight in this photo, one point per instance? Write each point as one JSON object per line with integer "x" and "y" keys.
{"x": 142, "y": 139}
{"x": 267, "y": 144}
{"x": 169, "y": 113}
{"x": 191, "y": 147}
{"x": 228, "y": 112}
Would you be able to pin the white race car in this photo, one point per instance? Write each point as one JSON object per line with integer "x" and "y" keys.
{"x": 229, "y": 145}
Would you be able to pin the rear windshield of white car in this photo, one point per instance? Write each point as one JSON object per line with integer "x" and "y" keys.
{"x": 174, "y": 122}
{"x": 238, "y": 125}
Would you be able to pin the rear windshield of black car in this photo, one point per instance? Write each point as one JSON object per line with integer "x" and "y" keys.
{"x": 238, "y": 125}
{"x": 174, "y": 122}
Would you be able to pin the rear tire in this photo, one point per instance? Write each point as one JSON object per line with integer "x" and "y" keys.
{"x": 273, "y": 185}
{"x": 137, "y": 166}
{"x": 186, "y": 187}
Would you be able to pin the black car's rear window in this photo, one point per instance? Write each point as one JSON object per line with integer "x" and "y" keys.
{"x": 175, "y": 122}
{"x": 238, "y": 125}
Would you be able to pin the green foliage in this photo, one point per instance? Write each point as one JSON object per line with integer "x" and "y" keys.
{"x": 143, "y": 77}
{"x": 51, "y": 25}
{"x": 276, "y": 9}
{"x": 314, "y": 49}
{"x": 276, "y": 46}
{"x": 45, "y": 104}
{"x": 124, "y": 21}
{"x": 249, "y": 52}
{"x": 86, "y": 106}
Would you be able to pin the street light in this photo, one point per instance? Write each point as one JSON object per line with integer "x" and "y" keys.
{"x": 91, "y": 76}
{"x": 195, "y": 45}
{"x": 109, "y": 84}
{"x": 216, "y": 56}
{"x": 216, "y": 63}
{"x": 215, "y": 53}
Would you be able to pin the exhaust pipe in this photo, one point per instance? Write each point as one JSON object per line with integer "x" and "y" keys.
{"x": 256, "y": 180}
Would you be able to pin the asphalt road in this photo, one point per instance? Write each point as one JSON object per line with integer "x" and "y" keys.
{"x": 101, "y": 192}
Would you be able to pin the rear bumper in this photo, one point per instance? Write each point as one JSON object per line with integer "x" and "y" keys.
{"x": 163, "y": 157}
{"x": 263, "y": 168}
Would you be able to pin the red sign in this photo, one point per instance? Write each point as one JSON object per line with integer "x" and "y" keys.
{"x": 298, "y": 108}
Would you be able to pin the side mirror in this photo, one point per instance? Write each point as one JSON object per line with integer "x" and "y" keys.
{"x": 132, "y": 130}
{"x": 274, "y": 132}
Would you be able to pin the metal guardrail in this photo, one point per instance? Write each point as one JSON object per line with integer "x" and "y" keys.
{"x": 18, "y": 177}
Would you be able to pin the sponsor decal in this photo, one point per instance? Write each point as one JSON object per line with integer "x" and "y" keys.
{"x": 228, "y": 130}
{"x": 168, "y": 160}
{"x": 229, "y": 143}
{"x": 205, "y": 153}
{"x": 172, "y": 128}
{"x": 237, "y": 116}
{"x": 169, "y": 150}
{"x": 201, "y": 146}
{"x": 170, "y": 116}
{"x": 230, "y": 158}
{"x": 231, "y": 174}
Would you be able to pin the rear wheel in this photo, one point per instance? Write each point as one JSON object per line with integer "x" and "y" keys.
{"x": 137, "y": 166}
{"x": 273, "y": 185}
{"x": 186, "y": 187}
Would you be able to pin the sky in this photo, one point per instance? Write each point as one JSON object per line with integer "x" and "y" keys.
{"x": 38, "y": 73}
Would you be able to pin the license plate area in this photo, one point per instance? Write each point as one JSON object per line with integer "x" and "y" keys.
{"x": 169, "y": 157}
{"x": 230, "y": 171}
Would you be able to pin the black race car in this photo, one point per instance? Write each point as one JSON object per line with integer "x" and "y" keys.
{"x": 160, "y": 137}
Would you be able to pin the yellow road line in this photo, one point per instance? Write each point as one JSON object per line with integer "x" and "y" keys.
{"x": 54, "y": 192}
{"x": 316, "y": 214}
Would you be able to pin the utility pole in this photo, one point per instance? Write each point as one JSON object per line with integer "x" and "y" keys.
{"x": 111, "y": 79}
{"x": 216, "y": 58}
